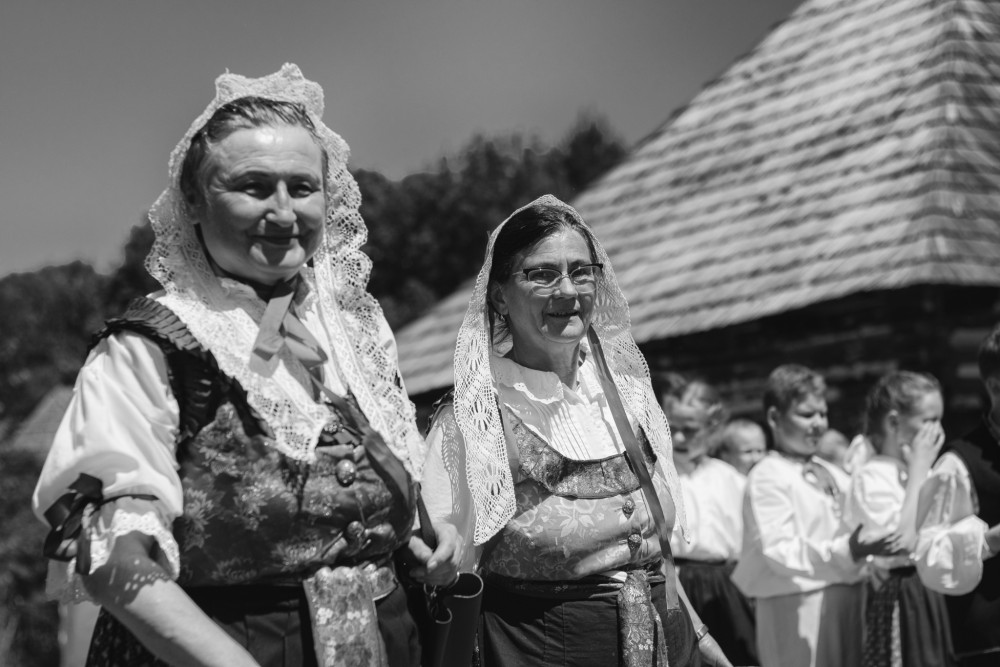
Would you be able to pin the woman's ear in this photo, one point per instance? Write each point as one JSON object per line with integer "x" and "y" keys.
{"x": 497, "y": 300}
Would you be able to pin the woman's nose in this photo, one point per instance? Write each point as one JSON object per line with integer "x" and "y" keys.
{"x": 282, "y": 212}
{"x": 565, "y": 282}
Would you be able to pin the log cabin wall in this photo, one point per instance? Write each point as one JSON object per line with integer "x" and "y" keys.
{"x": 852, "y": 342}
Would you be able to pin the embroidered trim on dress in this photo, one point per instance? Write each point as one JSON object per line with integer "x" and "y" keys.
{"x": 563, "y": 476}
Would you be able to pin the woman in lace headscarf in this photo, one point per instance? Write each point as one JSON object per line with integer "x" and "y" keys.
{"x": 527, "y": 462}
{"x": 233, "y": 475}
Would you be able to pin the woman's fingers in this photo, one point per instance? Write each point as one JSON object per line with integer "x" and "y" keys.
{"x": 438, "y": 567}
{"x": 449, "y": 546}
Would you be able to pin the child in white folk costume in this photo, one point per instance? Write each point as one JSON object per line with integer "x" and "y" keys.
{"x": 800, "y": 561}
{"x": 905, "y": 623}
{"x": 713, "y": 498}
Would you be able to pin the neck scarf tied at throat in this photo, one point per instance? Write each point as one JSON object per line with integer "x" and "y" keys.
{"x": 281, "y": 327}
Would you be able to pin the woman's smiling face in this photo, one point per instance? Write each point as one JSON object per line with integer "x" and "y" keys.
{"x": 264, "y": 203}
{"x": 544, "y": 325}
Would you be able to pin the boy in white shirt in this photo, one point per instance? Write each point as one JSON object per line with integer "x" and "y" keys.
{"x": 800, "y": 561}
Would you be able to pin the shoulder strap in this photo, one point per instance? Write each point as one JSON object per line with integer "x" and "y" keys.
{"x": 633, "y": 453}
{"x": 193, "y": 373}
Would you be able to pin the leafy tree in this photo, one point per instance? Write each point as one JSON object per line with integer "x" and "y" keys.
{"x": 28, "y": 622}
{"x": 49, "y": 316}
{"x": 427, "y": 233}
{"x": 131, "y": 279}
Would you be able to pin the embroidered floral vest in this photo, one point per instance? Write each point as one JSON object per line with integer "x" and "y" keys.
{"x": 251, "y": 514}
{"x": 574, "y": 518}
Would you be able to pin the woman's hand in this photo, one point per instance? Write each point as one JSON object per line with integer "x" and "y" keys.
{"x": 890, "y": 544}
{"x": 440, "y": 566}
{"x": 711, "y": 653}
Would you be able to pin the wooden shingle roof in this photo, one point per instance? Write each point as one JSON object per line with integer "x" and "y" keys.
{"x": 857, "y": 147}
{"x": 39, "y": 428}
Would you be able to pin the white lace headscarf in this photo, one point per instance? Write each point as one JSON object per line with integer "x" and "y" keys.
{"x": 227, "y": 324}
{"x": 475, "y": 403}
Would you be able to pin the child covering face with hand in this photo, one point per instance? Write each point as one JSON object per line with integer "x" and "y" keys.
{"x": 903, "y": 424}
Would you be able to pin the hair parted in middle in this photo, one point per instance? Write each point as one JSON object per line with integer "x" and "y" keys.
{"x": 244, "y": 113}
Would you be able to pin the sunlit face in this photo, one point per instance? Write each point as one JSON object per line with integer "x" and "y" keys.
{"x": 929, "y": 409}
{"x": 746, "y": 447}
{"x": 544, "y": 326}
{"x": 689, "y": 421}
{"x": 264, "y": 203}
{"x": 798, "y": 429}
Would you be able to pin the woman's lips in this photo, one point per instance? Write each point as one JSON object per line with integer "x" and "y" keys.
{"x": 277, "y": 240}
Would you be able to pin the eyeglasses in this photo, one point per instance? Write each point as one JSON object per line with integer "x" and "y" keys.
{"x": 545, "y": 281}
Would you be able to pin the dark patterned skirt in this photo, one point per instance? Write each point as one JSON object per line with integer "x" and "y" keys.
{"x": 271, "y": 622}
{"x": 720, "y": 605}
{"x": 573, "y": 624}
{"x": 906, "y": 624}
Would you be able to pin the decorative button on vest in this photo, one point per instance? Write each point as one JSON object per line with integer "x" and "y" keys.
{"x": 634, "y": 541}
{"x": 628, "y": 507}
{"x": 346, "y": 472}
{"x": 332, "y": 425}
{"x": 355, "y": 532}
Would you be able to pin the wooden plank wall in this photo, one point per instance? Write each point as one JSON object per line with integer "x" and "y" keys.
{"x": 852, "y": 342}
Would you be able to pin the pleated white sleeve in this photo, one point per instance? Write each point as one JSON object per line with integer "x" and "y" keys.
{"x": 445, "y": 483}
{"x": 952, "y": 539}
{"x": 120, "y": 427}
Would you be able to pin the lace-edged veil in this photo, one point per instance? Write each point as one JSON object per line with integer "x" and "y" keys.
{"x": 475, "y": 403}
{"x": 339, "y": 275}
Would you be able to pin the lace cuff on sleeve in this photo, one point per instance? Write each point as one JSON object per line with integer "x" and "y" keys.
{"x": 103, "y": 526}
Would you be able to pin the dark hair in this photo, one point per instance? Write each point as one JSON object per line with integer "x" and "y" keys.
{"x": 523, "y": 231}
{"x": 241, "y": 114}
{"x": 789, "y": 384}
{"x": 899, "y": 391}
{"x": 989, "y": 355}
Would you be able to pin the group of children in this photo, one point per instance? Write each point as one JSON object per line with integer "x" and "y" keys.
{"x": 876, "y": 554}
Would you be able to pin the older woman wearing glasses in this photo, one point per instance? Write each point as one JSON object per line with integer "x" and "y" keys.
{"x": 554, "y": 458}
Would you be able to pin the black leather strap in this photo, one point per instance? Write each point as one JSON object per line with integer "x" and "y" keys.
{"x": 633, "y": 452}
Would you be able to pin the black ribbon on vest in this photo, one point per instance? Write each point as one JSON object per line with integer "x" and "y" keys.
{"x": 67, "y": 539}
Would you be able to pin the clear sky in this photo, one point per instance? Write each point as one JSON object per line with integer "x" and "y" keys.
{"x": 94, "y": 94}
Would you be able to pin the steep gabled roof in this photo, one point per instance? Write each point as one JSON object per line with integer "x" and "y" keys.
{"x": 856, "y": 148}
{"x": 39, "y": 428}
